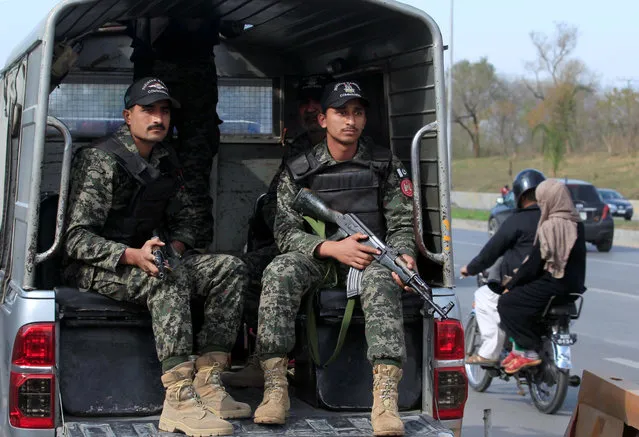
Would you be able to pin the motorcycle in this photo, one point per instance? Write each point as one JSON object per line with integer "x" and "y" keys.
{"x": 547, "y": 383}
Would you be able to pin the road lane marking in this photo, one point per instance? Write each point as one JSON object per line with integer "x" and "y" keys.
{"x": 621, "y": 263}
{"x": 468, "y": 243}
{"x": 614, "y": 293}
{"x": 624, "y": 362}
{"x": 613, "y": 341}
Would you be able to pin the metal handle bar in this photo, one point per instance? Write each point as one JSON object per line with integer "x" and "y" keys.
{"x": 418, "y": 222}
{"x": 64, "y": 189}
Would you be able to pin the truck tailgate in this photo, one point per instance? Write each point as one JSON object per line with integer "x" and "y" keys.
{"x": 343, "y": 425}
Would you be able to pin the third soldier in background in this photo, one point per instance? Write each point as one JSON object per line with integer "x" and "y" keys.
{"x": 264, "y": 248}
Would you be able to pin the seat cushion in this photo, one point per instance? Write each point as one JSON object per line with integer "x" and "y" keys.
{"x": 563, "y": 309}
{"x": 72, "y": 301}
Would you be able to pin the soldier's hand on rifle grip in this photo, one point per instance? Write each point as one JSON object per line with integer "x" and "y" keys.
{"x": 148, "y": 264}
{"x": 349, "y": 251}
{"x": 410, "y": 264}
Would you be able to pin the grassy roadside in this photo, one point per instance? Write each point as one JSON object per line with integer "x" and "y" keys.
{"x": 604, "y": 171}
{"x": 470, "y": 214}
{"x": 482, "y": 215}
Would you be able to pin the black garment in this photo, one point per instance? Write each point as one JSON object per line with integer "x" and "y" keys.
{"x": 513, "y": 240}
{"x": 156, "y": 187}
{"x": 353, "y": 186}
{"x": 532, "y": 287}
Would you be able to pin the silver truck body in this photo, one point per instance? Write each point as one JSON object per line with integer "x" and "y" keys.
{"x": 397, "y": 47}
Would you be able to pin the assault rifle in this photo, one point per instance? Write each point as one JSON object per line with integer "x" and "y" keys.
{"x": 165, "y": 257}
{"x": 307, "y": 203}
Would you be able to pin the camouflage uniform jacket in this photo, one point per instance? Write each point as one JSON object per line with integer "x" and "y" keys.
{"x": 100, "y": 185}
{"x": 290, "y": 233}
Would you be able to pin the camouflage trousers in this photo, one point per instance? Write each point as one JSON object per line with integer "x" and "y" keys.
{"x": 195, "y": 87}
{"x": 291, "y": 275}
{"x": 218, "y": 280}
{"x": 256, "y": 262}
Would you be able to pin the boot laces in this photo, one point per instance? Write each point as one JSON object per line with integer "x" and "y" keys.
{"x": 187, "y": 385}
{"x": 272, "y": 382}
{"x": 213, "y": 376}
{"x": 386, "y": 387}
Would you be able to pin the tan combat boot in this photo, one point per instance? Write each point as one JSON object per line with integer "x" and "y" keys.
{"x": 250, "y": 376}
{"x": 275, "y": 405}
{"x": 385, "y": 416}
{"x": 209, "y": 387}
{"x": 183, "y": 410}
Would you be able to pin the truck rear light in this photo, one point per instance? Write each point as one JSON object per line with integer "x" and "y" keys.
{"x": 31, "y": 400}
{"x": 35, "y": 345}
{"x": 606, "y": 210}
{"x": 451, "y": 392}
{"x": 449, "y": 340}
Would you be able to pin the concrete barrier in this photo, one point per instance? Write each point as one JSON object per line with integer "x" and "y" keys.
{"x": 470, "y": 200}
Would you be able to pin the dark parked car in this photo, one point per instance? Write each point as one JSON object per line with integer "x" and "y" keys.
{"x": 500, "y": 212}
{"x": 619, "y": 205}
{"x": 595, "y": 213}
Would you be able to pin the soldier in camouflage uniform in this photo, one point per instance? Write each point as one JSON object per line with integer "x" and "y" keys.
{"x": 351, "y": 176}
{"x": 124, "y": 188}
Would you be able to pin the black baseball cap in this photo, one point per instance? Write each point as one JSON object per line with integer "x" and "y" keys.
{"x": 336, "y": 94}
{"x": 311, "y": 87}
{"x": 146, "y": 91}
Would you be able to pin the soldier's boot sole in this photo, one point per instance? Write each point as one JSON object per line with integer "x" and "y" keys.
{"x": 267, "y": 420}
{"x": 169, "y": 425}
{"x": 240, "y": 413}
{"x": 388, "y": 433}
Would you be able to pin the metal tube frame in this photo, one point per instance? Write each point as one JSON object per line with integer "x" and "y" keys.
{"x": 48, "y": 42}
{"x": 64, "y": 189}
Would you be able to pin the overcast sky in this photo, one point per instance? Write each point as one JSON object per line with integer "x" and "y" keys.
{"x": 497, "y": 29}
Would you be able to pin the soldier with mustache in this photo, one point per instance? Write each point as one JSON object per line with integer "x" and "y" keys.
{"x": 123, "y": 188}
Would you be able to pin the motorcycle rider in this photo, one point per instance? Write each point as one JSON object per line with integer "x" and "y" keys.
{"x": 505, "y": 252}
{"x": 556, "y": 267}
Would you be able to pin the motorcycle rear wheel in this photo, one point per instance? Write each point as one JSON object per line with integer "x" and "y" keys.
{"x": 548, "y": 384}
{"x": 478, "y": 377}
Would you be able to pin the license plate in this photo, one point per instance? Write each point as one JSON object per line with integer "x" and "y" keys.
{"x": 583, "y": 215}
{"x": 622, "y": 211}
{"x": 564, "y": 339}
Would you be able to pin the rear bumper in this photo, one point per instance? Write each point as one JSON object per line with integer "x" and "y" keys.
{"x": 627, "y": 212}
{"x": 600, "y": 232}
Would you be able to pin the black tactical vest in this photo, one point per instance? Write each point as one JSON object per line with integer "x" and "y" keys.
{"x": 353, "y": 186}
{"x": 155, "y": 188}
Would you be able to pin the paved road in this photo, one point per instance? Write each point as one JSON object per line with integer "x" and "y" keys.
{"x": 607, "y": 340}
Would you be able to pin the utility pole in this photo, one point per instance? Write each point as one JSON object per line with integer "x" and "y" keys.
{"x": 449, "y": 110}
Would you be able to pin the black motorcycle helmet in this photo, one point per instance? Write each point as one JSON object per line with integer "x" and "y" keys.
{"x": 526, "y": 180}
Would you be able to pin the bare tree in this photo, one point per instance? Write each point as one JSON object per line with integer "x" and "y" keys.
{"x": 558, "y": 80}
{"x": 475, "y": 87}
